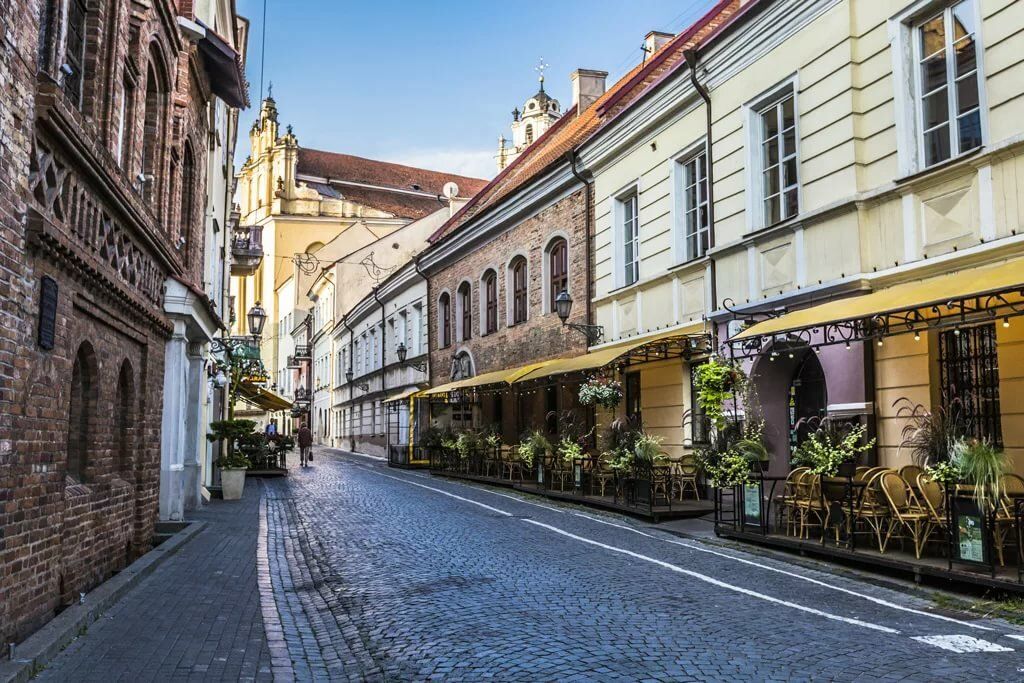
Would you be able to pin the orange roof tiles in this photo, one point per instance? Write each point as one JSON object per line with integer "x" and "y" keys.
{"x": 575, "y": 128}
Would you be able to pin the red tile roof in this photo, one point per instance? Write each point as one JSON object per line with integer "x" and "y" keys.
{"x": 384, "y": 175}
{"x": 575, "y": 128}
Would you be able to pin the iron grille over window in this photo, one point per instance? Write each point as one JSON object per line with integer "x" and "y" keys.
{"x": 969, "y": 380}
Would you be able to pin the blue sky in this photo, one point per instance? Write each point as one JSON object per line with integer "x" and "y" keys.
{"x": 430, "y": 82}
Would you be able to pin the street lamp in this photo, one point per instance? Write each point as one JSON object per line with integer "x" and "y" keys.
{"x": 257, "y": 319}
{"x": 348, "y": 378}
{"x": 403, "y": 353}
{"x": 563, "y": 306}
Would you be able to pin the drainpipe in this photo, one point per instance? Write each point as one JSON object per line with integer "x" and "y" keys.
{"x": 691, "y": 62}
{"x": 383, "y": 359}
{"x": 588, "y": 220}
{"x": 351, "y": 398}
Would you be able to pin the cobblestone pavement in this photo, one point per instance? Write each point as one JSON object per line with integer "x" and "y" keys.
{"x": 195, "y": 618}
{"x": 348, "y": 570}
{"x": 381, "y": 574}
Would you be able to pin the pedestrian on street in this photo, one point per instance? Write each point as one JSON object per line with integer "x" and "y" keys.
{"x": 305, "y": 445}
{"x": 272, "y": 428}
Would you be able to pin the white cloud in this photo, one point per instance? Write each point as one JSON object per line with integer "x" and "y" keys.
{"x": 467, "y": 162}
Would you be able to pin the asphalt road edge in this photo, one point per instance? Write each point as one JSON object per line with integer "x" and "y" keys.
{"x": 36, "y": 651}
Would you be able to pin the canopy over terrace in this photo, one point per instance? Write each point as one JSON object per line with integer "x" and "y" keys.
{"x": 949, "y": 300}
{"x": 262, "y": 398}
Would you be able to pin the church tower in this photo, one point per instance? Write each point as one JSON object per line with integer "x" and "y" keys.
{"x": 537, "y": 115}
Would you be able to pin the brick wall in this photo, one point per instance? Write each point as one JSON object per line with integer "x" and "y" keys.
{"x": 69, "y": 212}
{"x": 542, "y": 336}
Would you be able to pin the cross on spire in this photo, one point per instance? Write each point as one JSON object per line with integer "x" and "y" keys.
{"x": 270, "y": 90}
{"x": 541, "y": 67}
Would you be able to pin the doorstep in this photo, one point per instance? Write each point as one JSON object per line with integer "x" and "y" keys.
{"x": 33, "y": 653}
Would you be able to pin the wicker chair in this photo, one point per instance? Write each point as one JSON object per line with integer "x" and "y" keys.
{"x": 933, "y": 499}
{"x": 873, "y": 509}
{"x": 686, "y": 471}
{"x": 1005, "y": 521}
{"x": 906, "y": 512}
{"x": 785, "y": 504}
{"x": 808, "y": 502}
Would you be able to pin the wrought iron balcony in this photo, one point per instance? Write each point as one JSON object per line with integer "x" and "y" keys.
{"x": 246, "y": 249}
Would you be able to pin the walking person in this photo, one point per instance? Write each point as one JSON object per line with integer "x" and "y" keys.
{"x": 305, "y": 445}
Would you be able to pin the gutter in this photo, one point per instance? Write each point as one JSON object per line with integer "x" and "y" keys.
{"x": 351, "y": 391}
{"x": 691, "y": 61}
{"x": 383, "y": 378}
{"x": 588, "y": 221}
{"x": 416, "y": 265}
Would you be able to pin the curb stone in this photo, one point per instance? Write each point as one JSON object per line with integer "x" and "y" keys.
{"x": 35, "y": 652}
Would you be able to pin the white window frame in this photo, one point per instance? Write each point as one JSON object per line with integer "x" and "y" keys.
{"x": 680, "y": 207}
{"x": 753, "y": 109}
{"x": 416, "y": 331}
{"x": 903, "y": 38}
{"x": 618, "y": 212}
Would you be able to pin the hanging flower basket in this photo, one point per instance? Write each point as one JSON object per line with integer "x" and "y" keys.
{"x": 601, "y": 391}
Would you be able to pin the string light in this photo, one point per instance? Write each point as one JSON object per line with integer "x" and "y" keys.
{"x": 1006, "y": 321}
{"x": 917, "y": 336}
{"x": 847, "y": 346}
{"x": 879, "y": 341}
{"x": 956, "y": 331}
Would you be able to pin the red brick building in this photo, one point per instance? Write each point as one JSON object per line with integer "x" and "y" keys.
{"x": 103, "y": 107}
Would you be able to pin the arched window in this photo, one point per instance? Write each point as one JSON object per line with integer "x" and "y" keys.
{"x": 153, "y": 132}
{"x": 558, "y": 270}
{"x": 517, "y": 271}
{"x": 80, "y": 411}
{"x": 490, "y": 282}
{"x": 465, "y": 311}
{"x": 444, "y": 314}
{"x": 188, "y": 196}
{"x": 125, "y": 435}
{"x": 74, "y": 52}
{"x": 529, "y": 133}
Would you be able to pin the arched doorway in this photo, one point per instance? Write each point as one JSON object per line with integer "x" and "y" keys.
{"x": 807, "y": 399}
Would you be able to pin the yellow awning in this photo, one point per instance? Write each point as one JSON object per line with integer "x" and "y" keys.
{"x": 902, "y": 297}
{"x": 401, "y": 395}
{"x": 259, "y": 396}
{"x": 602, "y": 357}
{"x": 506, "y": 376}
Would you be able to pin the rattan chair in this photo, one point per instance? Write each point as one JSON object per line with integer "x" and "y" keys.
{"x": 906, "y": 512}
{"x": 1005, "y": 521}
{"x": 809, "y": 506}
{"x": 873, "y": 509}
{"x": 933, "y": 499}
{"x": 785, "y": 504}
{"x": 910, "y": 474}
{"x": 686, "y": 471}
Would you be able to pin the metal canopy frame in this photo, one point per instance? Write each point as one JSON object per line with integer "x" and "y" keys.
{"x": 960, "y": 312}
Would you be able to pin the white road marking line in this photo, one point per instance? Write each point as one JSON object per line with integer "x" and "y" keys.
{"x": 520, "y": 500}
{"x": 617, "y": 526}
{"x": 443, "y": 493}
{"x": 878, "y": 601}
{"x": 715, "y": 582}
{"x": 962, "y": 644}
{"x": 380, "y": 458}
{"x": 1015, "y": 636}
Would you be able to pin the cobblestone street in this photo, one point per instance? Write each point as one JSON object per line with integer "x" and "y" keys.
{"x": 370, "y": 573}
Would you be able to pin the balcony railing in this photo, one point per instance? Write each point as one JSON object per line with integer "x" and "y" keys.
{"x": 246, "y": 249}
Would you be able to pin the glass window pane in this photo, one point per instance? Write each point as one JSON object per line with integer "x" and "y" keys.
{"x": 966, "y": 60}
{"x": 789, "y": 142}
{"x": 792, "y": 203}
{"x": 970, "y": 131}
{"x": 770, "y": 150}
{"x": 963, "y": 20}
{"x": 771, "y": 210}
{"x": 789, "y": 173}
{"x": 770, "y": 121}
{"x": 967, "y": 94}
{"x": 936, "y": 145}
{"x": 935, "y": 109}
{"x": 933, "y": 36}
{"x": 933, "y": 73}
{"x": 771, "y": 181}
{"x": 691, "y": 196}
{"x": 788, "y": 117}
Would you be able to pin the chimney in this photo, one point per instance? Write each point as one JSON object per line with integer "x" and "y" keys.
{"x": 587, "y": 86}
{"x": 653, "y": 42}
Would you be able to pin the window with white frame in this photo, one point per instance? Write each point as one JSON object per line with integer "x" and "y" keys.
{"x": 949, "y": 111}
{"x": 696, "y": 228}
{"x": 780, "y": 186}
{"x": 415, "y": 332}
{"x": 629, "y": 235}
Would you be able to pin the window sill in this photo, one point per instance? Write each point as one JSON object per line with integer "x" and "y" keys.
{"x": 952, "y": 163}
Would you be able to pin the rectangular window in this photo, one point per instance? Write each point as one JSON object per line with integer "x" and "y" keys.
{"x": 446, "y": 322}
{"x": 630, "y": 232}
{"x": 74, "y": 51}
{"x": 696, "y": 230}
{"x": 491, "y": 294}
{"x": 947, "y": 84}
{"x": 519, "y": 303}
{"x": 969, "y": 381}
{"x": 779, "y": 184}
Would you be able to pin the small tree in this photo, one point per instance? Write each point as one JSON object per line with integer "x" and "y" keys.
{"x": 228, "y": 432}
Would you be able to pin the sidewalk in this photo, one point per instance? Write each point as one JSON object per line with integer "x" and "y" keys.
{"x": 197, "y": 617}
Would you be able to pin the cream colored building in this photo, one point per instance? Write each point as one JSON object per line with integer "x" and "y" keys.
{"x": 843, "y": 167}
{"x": 310, "y": 209}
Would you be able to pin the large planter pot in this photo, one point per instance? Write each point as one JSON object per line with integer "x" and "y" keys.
{"x": 847, "y": 469}
{"x": 232, "y": 481}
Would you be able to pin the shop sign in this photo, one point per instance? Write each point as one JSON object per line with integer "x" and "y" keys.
{"x": 752, "y": 504}
{"x": 971, "y": 531}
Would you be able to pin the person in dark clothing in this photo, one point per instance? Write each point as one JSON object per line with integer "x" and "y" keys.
{"x": 305, "y": 445}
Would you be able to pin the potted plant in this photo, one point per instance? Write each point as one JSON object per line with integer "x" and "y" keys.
{"x": 233, "y": 462}
{"x": 981, "y": 466}
{"x": 752, "y": 447}
{"x": 929, "y": 435}
{"x": 831, "y": 450}
{"x": 531, "y": 450}
{"x": 724, "y": 468}
{"x": 716, "y": 382}
{"x": 601, "y": 391}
